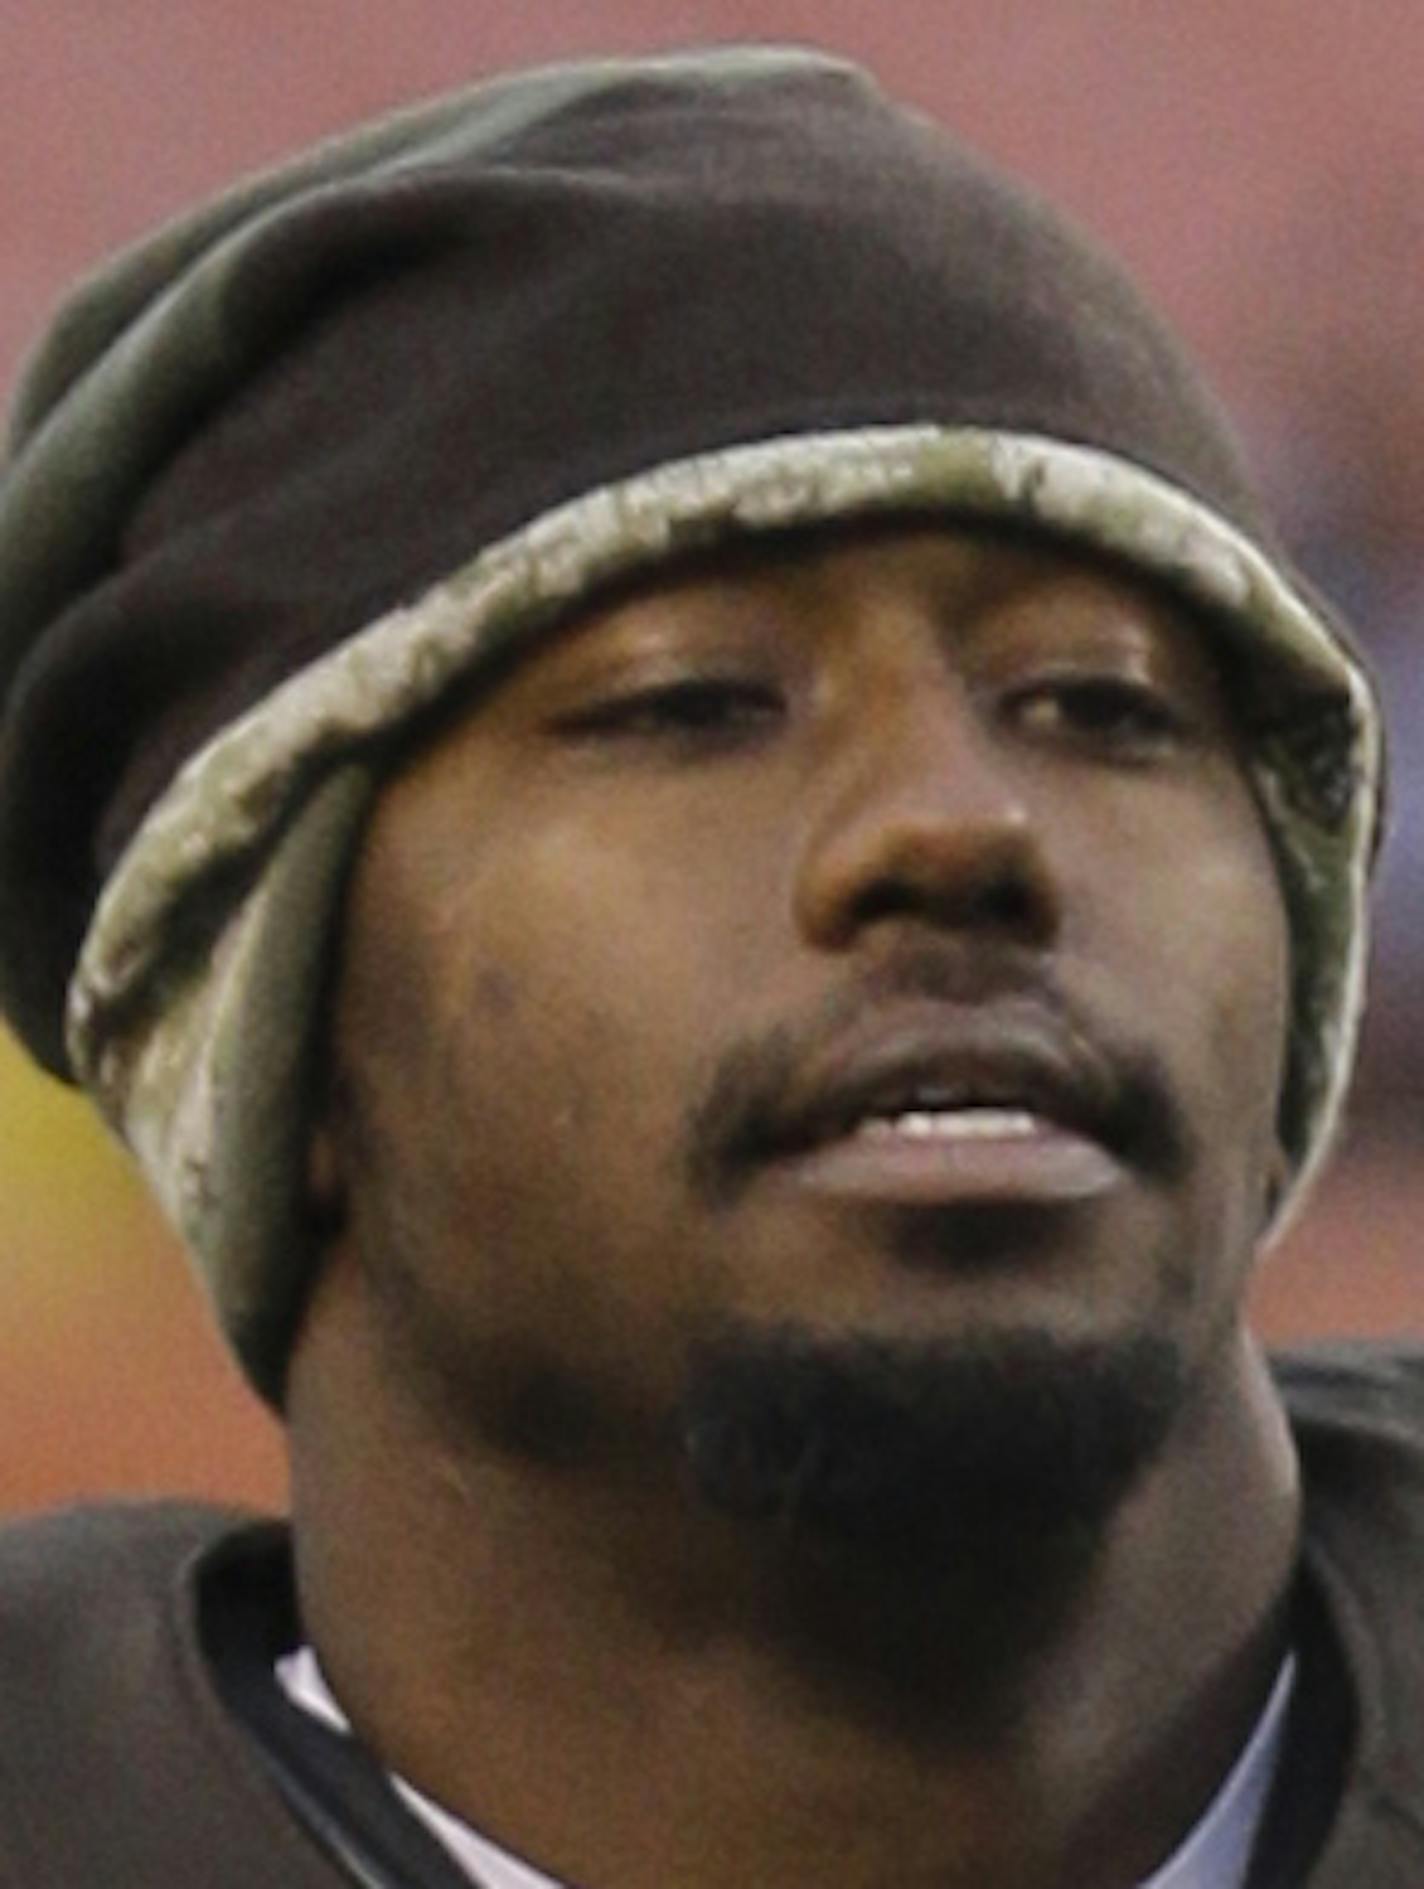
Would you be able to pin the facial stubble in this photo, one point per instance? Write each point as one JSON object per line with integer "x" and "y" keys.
{"x": 932, "y": 1453}
{"x": 947, "y": 1450}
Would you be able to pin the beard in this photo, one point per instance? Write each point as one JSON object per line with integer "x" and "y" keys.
{"x": 933, "y": 1454}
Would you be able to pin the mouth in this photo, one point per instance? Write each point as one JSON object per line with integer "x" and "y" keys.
{"x": 949, "y": 1106}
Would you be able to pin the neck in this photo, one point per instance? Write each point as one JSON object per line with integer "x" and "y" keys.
{"x": 795, "y": 1715}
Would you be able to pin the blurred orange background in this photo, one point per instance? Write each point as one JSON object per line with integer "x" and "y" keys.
{"x": 1260, "y": 167}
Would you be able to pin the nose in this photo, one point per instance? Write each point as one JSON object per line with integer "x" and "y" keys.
{"x": 924, "y": 823}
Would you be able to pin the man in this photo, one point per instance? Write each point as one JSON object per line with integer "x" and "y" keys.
{"x": 659, "y": 765}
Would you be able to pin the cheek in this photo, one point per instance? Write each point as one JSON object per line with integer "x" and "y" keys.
{"x": 538, "y": 1047}
{"x": 1198, "y": 940}
{"x": 1240, "y": 932}
{"x": 611, "y": 956}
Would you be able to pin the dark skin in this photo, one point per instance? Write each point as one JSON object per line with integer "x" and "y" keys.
{"x": 714, "y": 811}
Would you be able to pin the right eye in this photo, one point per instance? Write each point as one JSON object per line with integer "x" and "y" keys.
{"x": 703, "y": 710}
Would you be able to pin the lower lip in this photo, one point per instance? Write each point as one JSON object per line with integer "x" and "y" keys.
{"x": 1049, "y": 1166}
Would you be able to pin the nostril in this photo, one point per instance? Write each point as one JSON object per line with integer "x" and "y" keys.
{"x": 1009, "y": 901}
{"x": 1000, "y": 898}
{"x": 884, "y": 900}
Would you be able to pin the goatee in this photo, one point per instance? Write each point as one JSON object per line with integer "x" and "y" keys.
{"x": 935, "y": 1451}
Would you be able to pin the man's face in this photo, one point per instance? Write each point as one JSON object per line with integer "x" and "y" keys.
{"x": 871, "y": 947}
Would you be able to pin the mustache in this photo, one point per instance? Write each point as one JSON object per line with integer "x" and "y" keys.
{"x": 738, "y": 1123}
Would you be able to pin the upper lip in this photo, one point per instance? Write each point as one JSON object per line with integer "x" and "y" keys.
{"x": 1006, "y": 1055}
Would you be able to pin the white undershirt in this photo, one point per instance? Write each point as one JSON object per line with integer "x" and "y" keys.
{"x": 1215, "y": 1855}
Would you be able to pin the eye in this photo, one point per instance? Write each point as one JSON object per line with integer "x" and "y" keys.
{"x": 1121, "y": 716}
{"x": 704, "y": 710}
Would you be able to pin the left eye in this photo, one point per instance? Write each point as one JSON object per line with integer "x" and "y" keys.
{"x": 1107, "y": 711}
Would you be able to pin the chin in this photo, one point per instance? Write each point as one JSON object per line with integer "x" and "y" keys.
{"x": 928, "y": 1449}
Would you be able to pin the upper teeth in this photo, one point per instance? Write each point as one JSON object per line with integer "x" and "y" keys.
{"x": 952, "y": 1123}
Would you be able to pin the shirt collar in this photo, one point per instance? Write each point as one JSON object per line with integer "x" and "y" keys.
{"x": 1215, "y": 1855}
